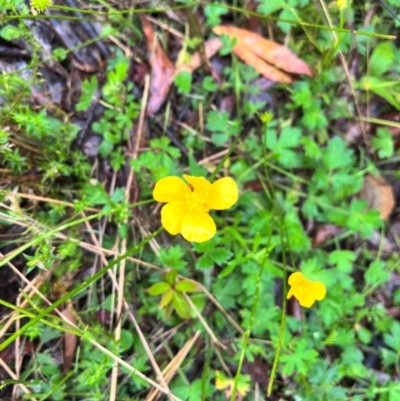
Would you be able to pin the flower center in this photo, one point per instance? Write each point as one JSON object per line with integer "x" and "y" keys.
{"x": 303, "y": 288}
{"x": 196, "y": 202}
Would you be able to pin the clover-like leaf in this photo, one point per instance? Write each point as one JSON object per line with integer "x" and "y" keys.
{"x": 166, "y": 298}
{"x": 181, "y": 305}
{"x": 171, "y": 276}
{"x": 186, "y": 286}
{"x": 159, "y": 288}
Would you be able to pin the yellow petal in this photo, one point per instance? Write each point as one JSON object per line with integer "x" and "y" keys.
{"x": 199, "y": 184}
{"x": 306, "y": 302}
{"x": 318, "y": 290}
{"x": 223, "y": 194}
{"x": 290, "y": 293}
{"x": 198, "y": 227}
{"x": 170, "y": 189}
{"x": 172, "y": 215}
{"x": 294, "y": 278}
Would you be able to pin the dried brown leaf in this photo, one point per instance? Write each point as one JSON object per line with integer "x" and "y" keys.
{"x": 266, "y": 49}
{"x": 70, "y": 341}
{"x": 211, "y": 47}
{"x": 379, "y": 194}
{"x": 162, "y": 69}
{"x": 266, "y": 70}
{"x": 323, "y": 232}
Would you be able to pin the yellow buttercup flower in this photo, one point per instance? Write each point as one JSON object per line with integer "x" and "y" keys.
{"x": 188, "y": 204}
{"x": 304, "y": 290}
{"x": 341, "y": 4}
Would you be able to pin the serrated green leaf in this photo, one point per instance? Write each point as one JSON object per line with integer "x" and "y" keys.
{"x": 95, "y": 195}
{"x": 204, "y": 262}
{"x": 343, "y": 259}
{"x": 383, "y": 143}
{"x": 88, "y": 89}
{"x": 172, "y": 257}
{"x": 289, "y": 137}
{"x": 376, "y": 273}
{"x": 159, "y": 288}
{"x": 183, "y": 81}
{"x": 311, "y": 148}
{"x": 336, "y": 154}
{"x": 186, "y": 286}
{"x": 220, "y": 255}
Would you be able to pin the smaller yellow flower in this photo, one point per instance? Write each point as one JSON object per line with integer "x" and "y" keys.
{"x": 304, "y": 290}
{"x": 341, "y": 4}
{"x": 188, "y": 204}
{"x": 41, "y": 5}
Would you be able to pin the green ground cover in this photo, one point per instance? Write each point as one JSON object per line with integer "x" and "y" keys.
{"x": 102, "y": 300}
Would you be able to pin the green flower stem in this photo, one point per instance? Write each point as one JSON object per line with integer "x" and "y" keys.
{"x": 77, "y": 289}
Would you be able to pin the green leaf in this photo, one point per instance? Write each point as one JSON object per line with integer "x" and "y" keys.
{"x": 227, "y": 290}
{"x": 171, "y": 276}
{"x": 289, "y": 137}
{"x": 362, "y": 220}
{"x": 186, "y": 286}
{"x": 213, "y": 12}
{"x": 183, "y": 82}
{"x": 159, "y": 288}
{"x": 311, "y": 148}
{"x": 376, "y": 273}
{"x": 336, "y": 154}
{"x": 126, "y": 340}
{"x": 95, "y": 195}
{"x": 166, "y": 298}
{"x": 172, "y": 257}
{"x": 268, "y": 7}
{"x": 300, "y": 361}
{"x": 388, "y": 90}
{"x": 314, "y": 117}
{"x": 381, "y": 58}
{"x": 220, "y": 255}
{"x": 88, "y": 89}
{"x": 204, "y": 262}
{"x": 181, "y": 305}
{"x": 10, "y": 32}
{"x": 343, "y": 260}
{"x": 217, "y": 121}
{"x": 383, "y": 143}
{"x": 301, "y": 94}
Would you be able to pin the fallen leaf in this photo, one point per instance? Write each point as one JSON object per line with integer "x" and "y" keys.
{"x": 211, "y": 46}
{"x": 8, "y": 354}
{"x": 323, "y": 232}
{"x": 379, "y": 194}
{"x": 70, "y": 341}
{"x": 162, "y": 69}
{"x": 268, "y": 50}
{"x": 266, "y": 70}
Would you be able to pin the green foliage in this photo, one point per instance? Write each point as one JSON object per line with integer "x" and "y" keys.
{"x": 299, "y": 172}
{"x": 300, "y": 361}
{"x": 183, "y": 81}
{"x": 383, "y": 143}
{"x": 172, "y": 292}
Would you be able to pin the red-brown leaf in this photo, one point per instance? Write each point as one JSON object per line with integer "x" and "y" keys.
{"x": 162, "y": 69}
{"x": 211, "y": 47}
{"x": 271, "y": 52}
{"x": 379, "y": 194}
{"x": 70, "y": 341}
{"x": 266, "y": 70}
